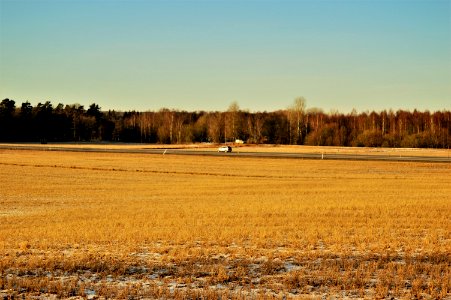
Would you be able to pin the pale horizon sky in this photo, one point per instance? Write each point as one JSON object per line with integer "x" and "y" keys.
{"x": 204, "y": 55}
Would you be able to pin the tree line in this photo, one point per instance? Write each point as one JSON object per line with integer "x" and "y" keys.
{"x": 293, "y": 125}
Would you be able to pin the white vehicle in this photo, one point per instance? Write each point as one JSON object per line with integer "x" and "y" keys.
{"x": 225, "y": 149}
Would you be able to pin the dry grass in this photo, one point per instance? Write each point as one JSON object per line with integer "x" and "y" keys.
{"x": 135, "y": 226}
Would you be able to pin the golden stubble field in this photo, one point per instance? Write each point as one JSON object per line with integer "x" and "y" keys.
{"x": 152, "y": 226}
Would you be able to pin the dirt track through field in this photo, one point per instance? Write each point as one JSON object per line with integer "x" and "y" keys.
{"x": 320, "y": 153}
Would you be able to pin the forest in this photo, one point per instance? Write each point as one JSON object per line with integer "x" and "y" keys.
{"x": 295, "y": 125}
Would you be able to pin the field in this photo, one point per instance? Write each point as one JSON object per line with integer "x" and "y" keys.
{"x": 88, "y": 225}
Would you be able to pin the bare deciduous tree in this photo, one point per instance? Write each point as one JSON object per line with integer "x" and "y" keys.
{"x": 296, "y": 118}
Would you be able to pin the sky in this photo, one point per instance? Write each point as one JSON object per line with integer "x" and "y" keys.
{"x": 204, "y": 55}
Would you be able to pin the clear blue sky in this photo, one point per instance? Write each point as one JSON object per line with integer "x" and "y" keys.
{"x": 203, "y": 55}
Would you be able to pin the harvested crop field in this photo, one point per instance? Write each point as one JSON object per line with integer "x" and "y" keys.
{"x": 96, "y": 225}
